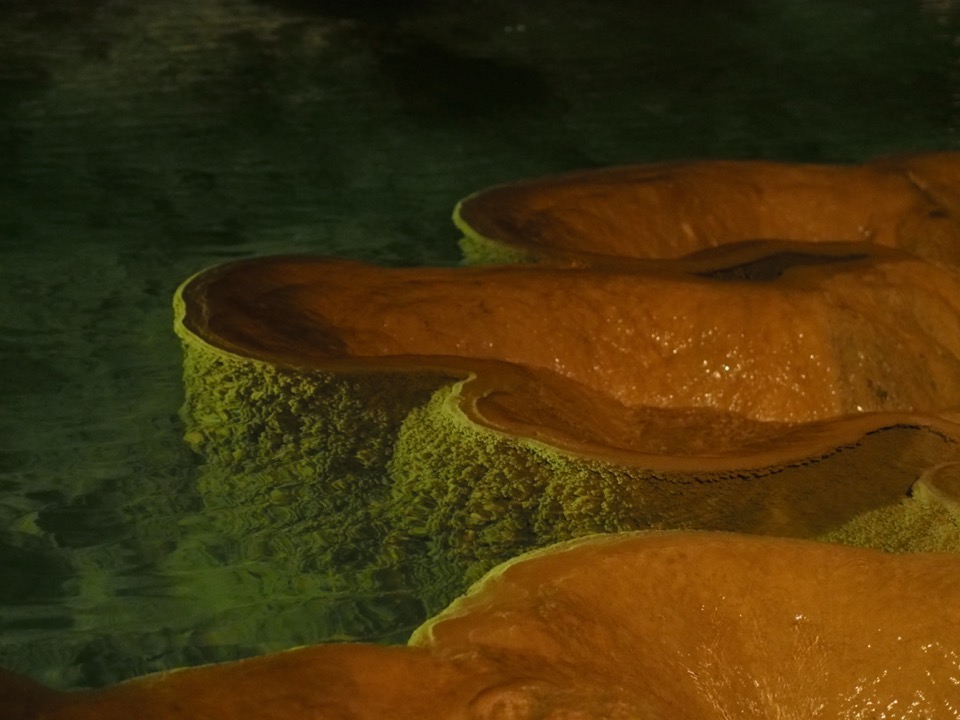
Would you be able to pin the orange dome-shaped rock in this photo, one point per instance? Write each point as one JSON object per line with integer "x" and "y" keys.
{"x": 643, "y": 625}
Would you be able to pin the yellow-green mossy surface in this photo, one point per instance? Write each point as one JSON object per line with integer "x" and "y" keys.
{"x": 479, "y": 250}
{"x": 301, "y": 451}
{"x": 910, "y": 525}
{"x": 925, "y": 522}
{"x": 477, "y": 497}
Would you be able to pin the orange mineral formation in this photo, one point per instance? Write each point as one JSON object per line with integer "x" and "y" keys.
{"x": 740, "y": 346}
{"x": 846, "y": 330}
{"x": 768, "y": 295}
{"x": 670, "y": 210}
{"x": 636, "y": 626}
{"x": 750, "y": 346}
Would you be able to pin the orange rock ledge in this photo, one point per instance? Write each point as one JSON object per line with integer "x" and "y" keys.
{"x": 669, "y": 210}
{"x": 767, "y": 299}
{"x": 630, "y": 626}
{"x": 596, "y": 360}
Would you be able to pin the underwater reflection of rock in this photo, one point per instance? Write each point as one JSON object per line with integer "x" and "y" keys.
{"x": 629, "y": 626}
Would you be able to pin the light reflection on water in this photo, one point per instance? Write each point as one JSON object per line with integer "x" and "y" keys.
{"x": 140, "y": 146}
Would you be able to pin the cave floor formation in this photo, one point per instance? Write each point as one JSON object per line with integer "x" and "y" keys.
{"x": 707, "y": 377}
{"x": 466, "y": 413}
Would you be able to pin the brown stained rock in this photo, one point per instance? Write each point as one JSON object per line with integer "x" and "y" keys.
{"x": 639, "y": 625}
{"x": 672, "y": 209}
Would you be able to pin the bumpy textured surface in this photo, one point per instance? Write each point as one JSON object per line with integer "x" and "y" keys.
{"x": 474, "y": 495}
{"x": 262, "y": 430}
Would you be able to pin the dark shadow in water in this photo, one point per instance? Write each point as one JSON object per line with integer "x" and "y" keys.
{"x": 379, "y": 12}
{"x": 435, "y": 81}
{"x": 31, "y": 575}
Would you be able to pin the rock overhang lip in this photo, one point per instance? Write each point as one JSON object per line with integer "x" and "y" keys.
{"x": 910, "y": 216}
{"x": 478, "y": 379}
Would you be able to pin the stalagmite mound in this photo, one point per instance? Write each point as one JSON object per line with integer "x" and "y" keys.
{"x": 636, "y": 625}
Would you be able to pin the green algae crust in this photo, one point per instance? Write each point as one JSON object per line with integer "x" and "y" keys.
{"x": 908, "y": 526}
{"x": 313, "y": 443}
{"x": 477, "y": 249}
{"x": 927, "y": 521}
{"x": 479, "y": 496}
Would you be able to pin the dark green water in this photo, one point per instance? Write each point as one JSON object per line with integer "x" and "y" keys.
{"x": 141, "y": 142}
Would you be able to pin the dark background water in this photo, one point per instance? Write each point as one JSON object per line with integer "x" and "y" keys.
{"x": 143, "y": 141}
